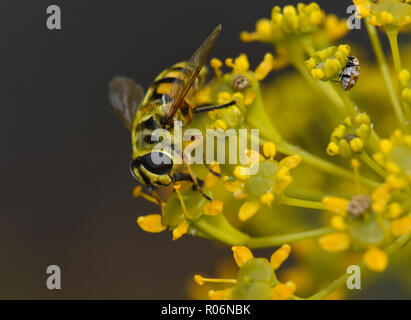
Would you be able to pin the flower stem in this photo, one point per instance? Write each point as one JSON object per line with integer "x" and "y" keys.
{"x": 371, "y": 163}
{"x": 382, "y": 62}
{"x": 302, "y": 203}
{"x": 322, "y": 164}
{"x": 392, "y": 34}
{"x": 219, "y": 228}
{"x": 276, "y": 240}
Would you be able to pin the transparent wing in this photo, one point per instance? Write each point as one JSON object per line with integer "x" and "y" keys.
{"x": 180, "y": 87}
{"x": 125, "y": 96}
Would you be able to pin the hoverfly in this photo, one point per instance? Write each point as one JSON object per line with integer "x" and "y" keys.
{"x": 168, "y": 99}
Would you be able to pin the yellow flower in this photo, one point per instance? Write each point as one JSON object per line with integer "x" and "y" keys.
{"x": 213, "y": 208}
{"x": 401, "y": 226}
{"x": 336, "y": 204}
{"x": 180, "y": 230}
{"x": 283, "y": 291}
{"x": 151, "y": 223}
{"x": 385, "y": 12}
{"x": 279, "y": 256}
{"x": 351, "y": 136}
{"x": 256, "y": 278}
{"x": 248, "y": 209}
{"x": 241, "y": 255}
{"x": 375, "y": 259}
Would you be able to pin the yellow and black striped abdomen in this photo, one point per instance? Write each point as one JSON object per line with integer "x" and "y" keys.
{"x": 161, "y": 88}
{"x": 154, "y": 107}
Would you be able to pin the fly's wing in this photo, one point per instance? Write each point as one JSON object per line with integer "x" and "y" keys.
{"x": 125, "y": 96}
{"x": 180, "y": 87}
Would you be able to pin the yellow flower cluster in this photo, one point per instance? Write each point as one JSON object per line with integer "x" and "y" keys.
{"x": 394, "y": 156}
{"x": 350, "y": 136}
{"x": 296, "y": 21}
{"x": 328, "y": 64}
{"x": 256, "y": 279}
{"x": 263, "y": 188}
{"x": 385, "y": 12}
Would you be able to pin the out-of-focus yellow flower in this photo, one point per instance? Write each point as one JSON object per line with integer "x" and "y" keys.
{"x": 394, "y": 157}
{"x": 335, "y": 242}
{"x": 385, "y": 12}
{"x": 376, "y": 259}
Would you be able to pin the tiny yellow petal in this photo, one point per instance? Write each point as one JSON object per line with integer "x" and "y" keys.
{"x": 137, "y": 191}
{"x": 180, "y": 230}
{"x": 395, "y": 210}
{"x": 401, "y": 226}
{"x": 199, "y": 279}
{"x": 264, "y": 67}
{"x": 338, "y": 223}
{"x": 220, "y": 294}
{"x": 248, "y": 209}
{"x": 241, "y": 255}
{"x": 291, "y": 162}
{"x": 283, "y": 291}
{"x": 151, "y": 223}
{"x": 375, "y": 259}
{"x": 213, "y": 208}
{"x": 334, "y": 242}
{"x": 385, "y": 146}
{"x": 280, "y": 255}
{"x": 336, "y": 204}
{"x": 317, "y": 74}
{"x": 267, "y": 199}
{"x": 269, "y": 149}
{"x": 240, "y": 173}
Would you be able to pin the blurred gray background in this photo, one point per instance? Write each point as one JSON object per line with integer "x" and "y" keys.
{"x": 65, "y": 186}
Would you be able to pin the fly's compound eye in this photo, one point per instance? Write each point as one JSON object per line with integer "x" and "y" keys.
{"x": 156, "y": 162}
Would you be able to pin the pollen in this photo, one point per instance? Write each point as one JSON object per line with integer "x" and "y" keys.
{"x": 213, "y": 208}
{"x": 279, "y": 256}
{"x": 241, "y": 255}
{"x": 248, "y": 209}
{"x": 335, "y": 242}
{"x": 375, "y": 259}
{"x": 151, "y": 223}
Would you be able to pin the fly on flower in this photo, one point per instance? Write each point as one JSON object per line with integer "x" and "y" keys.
{"x": 168, "y": 99}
